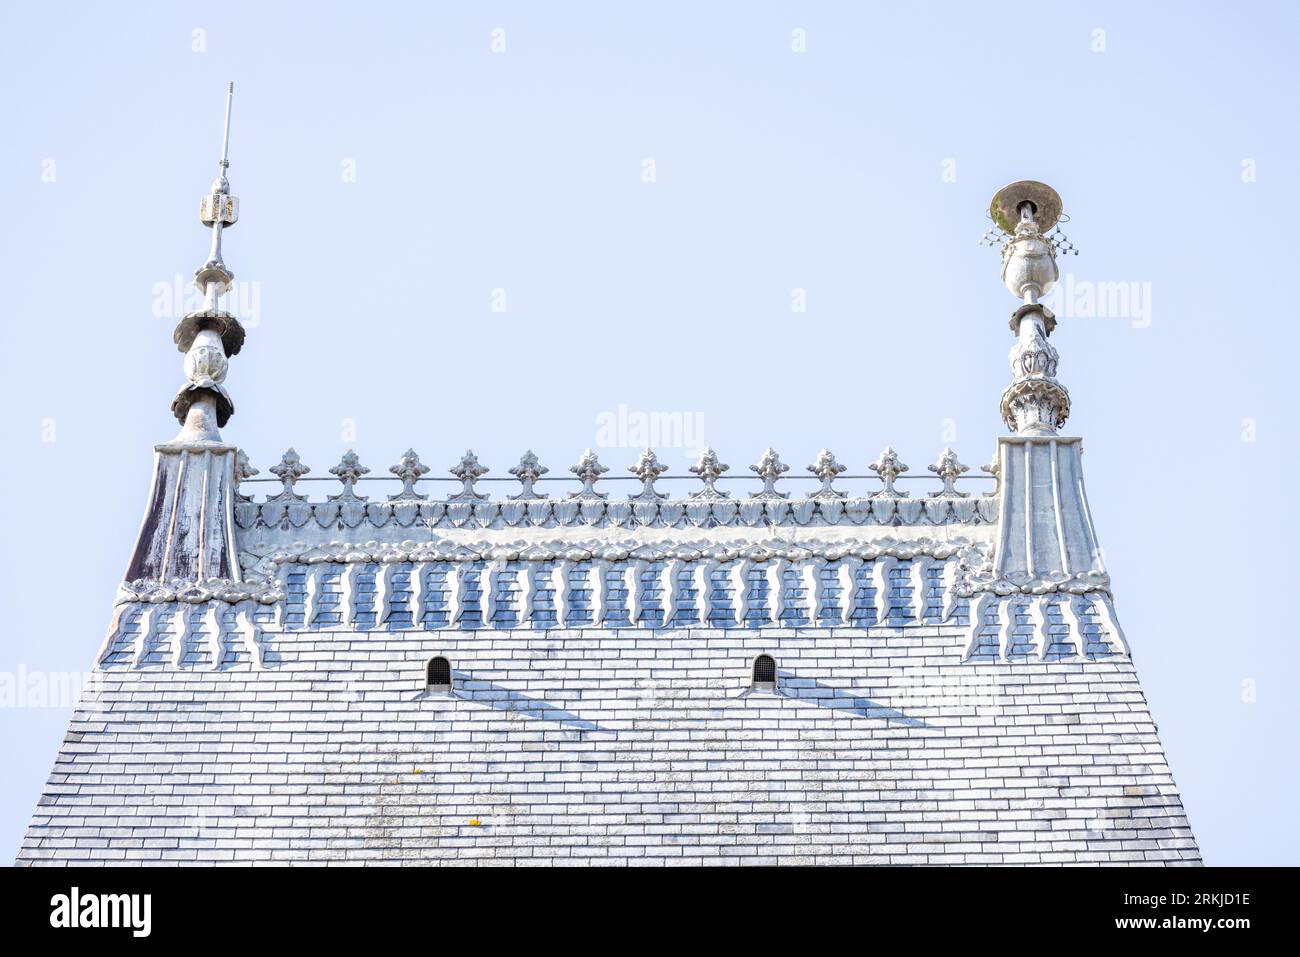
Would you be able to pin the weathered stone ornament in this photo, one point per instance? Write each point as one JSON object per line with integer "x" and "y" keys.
{"x": 948, "y": 469}
{"x": 410, "y": 470}
{"x": 589, "y": 470}
{"x": 709, "y": 468}
{"x": 528, "y": 471}
{"x": 349, "y": 471}
{"x": 647, "y": 468}
{"x": 826, "y": 468}
{"x": 889, "y": 467}
{"x": 469, "y": 471}
{"x": 769, "y": 468}
{"x": 290, "y": 469}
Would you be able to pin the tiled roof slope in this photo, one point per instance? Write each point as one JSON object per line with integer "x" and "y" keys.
{"x": 885, "y": 743}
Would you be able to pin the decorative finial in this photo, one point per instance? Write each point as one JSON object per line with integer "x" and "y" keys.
{"x": 469, "y": 471}
{"x": 709, "y": 468}
{"x": 348, "y": 471}
{"x": 528, "y": 471}
{"x": 288, "y": 472}
{"x": 410, "y": 469}
{"x": 589, "y": 470}
{"x": 647, "y": 468}
{"x": 826, "y": 468}
{"x": 948, "y": 468}
{"x": 210, "y": 336}
{"x": 243, "y": 467}
{"x": 1035, "y": 403}
{"x": 994, "y": 468}
{"x": 889, "y": 468}
{"x": 769, "y": 468}
{"x": 243, "y": 470}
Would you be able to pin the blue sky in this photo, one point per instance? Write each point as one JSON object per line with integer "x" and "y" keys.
{"x": 857, "y": 171}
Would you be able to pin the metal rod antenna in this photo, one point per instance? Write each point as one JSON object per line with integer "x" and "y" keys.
{"x": 225, "y": 137}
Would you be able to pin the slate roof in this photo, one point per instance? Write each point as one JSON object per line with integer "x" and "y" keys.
{"x": 602, "y": 708}
{"x": 881, "y": 744}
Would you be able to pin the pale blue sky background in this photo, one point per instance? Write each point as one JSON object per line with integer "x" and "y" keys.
{"x": 823, "y": 171}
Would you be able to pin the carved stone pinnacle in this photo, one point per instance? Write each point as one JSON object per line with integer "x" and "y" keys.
{"x": 889, "y": 468}
{"x": 528, "y": 471}
{"x": 709, "y": 468}
{"x": 589, "y": 470}
{"x": 769, "y": 468}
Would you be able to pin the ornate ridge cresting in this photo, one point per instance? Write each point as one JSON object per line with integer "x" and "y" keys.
{"x": 706, "y": 507}
{"x": 653, "y": 509}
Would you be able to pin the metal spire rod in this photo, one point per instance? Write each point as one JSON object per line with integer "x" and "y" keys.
{"x": 225, "y": 137}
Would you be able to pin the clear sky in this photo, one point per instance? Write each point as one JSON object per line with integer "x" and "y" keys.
{"x": 644, "y": 188}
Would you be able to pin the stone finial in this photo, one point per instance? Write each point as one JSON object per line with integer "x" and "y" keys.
{"x": 288, "y": 472}
{"x": 528, "y": 471}
{"x": 1035, "y": 403}
{"x": 889, "y": 467}
{"x": 243, "y": 470}
{"x": 994, "y": 469}
{"x": 826, "y": 468}
{"x": 469, "y": 471}
{"x": 709, "y": 468}
{"x": 769, "y": 468}
{"x": 647, "y": 468}
{"x": 589, "y": 470}
{"x": 243, "y": 467}
{"x": 410, "y": 470}
{"x": 948, "y": 468}
{"x": 348, "y": 471}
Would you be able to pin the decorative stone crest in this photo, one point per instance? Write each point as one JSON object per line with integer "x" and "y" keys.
{"x": 889, "y": 467}
{"x": 348, "y": 471}
{"x": 528, "y": 471}
{"x": 709, "y": 469}
{"x": 410, "y": 470}
{"x": 243, "y": 470}
{"x": 469, "y": 471}
{"x": 826, "y": 468}
{"x": 769, "y": 468}
{"x": 647, "y": 468}
{"x": 290, "y": 469}
{"x": 994, "y": 469}
{"x": 948, "y": 468}
{"x": 589, "y": 470}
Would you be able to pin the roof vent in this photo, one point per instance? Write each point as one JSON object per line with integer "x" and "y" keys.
{"x": 439, "y": 675}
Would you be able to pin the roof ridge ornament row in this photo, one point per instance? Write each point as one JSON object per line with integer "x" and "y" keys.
{"x": 588, "y": 469}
